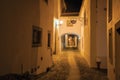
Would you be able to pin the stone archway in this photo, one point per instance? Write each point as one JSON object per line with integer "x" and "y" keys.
{"x": 69, "y": 41}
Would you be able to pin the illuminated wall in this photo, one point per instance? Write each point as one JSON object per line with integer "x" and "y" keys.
{"x": 17, "y": 54}
{"x": 93, "y": 41}
{"x": 46, "y": 22}
{"x": 113, "y": 18}
{"x": 68, "y": 27}
{"x": 85, "y": 31}
{"x": 101, "y": 31}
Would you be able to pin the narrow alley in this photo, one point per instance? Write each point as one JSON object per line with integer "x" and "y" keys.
{"x": 72, "y": 66}
{"x": 60, "y": 40}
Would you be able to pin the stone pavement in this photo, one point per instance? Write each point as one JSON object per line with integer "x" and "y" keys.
{"x": 74, "y": 70}
{"x": 59, "y": 71}
{"x": 70, "y": 65}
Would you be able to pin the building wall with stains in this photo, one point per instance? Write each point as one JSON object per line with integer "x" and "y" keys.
{"x": 94, "y": 42}
{"x": 16, "y": 44}
{"x": 44, "y": 57}
{"x": 85, "y": 40}
{"x": 67, "y": 27}
{"x": 113, "y": 40}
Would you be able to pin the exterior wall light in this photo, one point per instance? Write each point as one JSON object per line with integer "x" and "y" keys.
{"x": 59, "y": 22}
{"x": 98, "y": 62}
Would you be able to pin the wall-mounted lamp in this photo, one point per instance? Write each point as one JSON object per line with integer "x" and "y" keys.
{"x": 59, "y": 22}
{"x": 98, "y": 62}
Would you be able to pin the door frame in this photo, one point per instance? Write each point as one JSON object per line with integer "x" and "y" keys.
{"x": 117, "y": 50}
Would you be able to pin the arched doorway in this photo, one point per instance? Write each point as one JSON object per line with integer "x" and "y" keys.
{"x": 69, "y": 41}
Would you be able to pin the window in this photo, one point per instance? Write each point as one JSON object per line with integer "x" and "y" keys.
{"x": 49, "y": 39}
{"x": 110, "y": 11}
{"x": 36, "y": 36}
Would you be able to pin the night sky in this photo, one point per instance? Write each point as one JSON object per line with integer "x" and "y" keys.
{"x": 73, "y": 5}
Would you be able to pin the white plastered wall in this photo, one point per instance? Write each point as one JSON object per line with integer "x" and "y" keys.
{"x": 111, "y": 24}
{"x": 64, "y": 28}
{"x": 94, "y": 37}
{"x": 17, "y": 19}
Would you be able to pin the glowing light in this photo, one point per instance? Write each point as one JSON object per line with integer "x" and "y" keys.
{"x": 60, "y": 22}
{"x": 57, "y": 22}
{"x": 79, "y": 38}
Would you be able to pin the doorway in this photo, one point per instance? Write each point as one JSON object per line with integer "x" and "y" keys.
{"x": 111, "y": 46}
{"x": 70, "y": 41}
{"x": 117, "y": 50}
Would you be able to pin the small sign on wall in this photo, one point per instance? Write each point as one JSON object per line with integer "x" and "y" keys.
{"x": 71, "y": 22}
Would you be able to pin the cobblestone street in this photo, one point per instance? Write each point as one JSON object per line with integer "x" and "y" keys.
{"x": 72, "y": 66}
{"x": 67, "y": 66}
